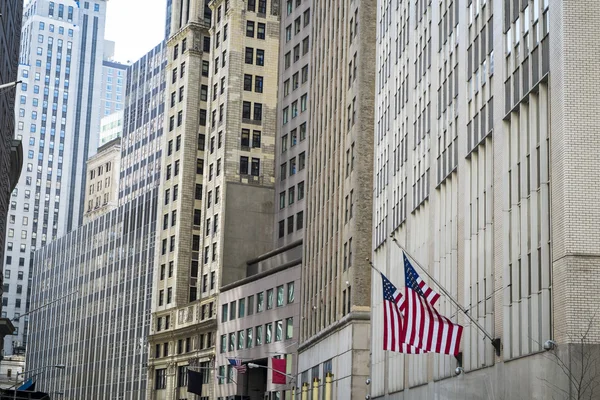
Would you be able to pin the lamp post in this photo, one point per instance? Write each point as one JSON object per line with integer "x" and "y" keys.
{"x": 40, "y": 369}
{"x": 9, "y": 85}
{"x": 252, "y": 365}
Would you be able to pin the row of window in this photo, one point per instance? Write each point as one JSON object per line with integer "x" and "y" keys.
{"x": 291, "y": 195}
{"x": 61, "y": 31}
{"x": 287, "y": 59}
{"x": 294, "y": 108}
{"x": 19, "y": 274}
{"x": 251, "y": 337}
{"x": 293, "y": 137}
{"x": 297, "y": 26}
{"x": 295, "y": 81}
{"x": 238, "y": 309}
{"x": 290, "y": 224}
{"x": 6, "y": 288}
{"x": 290, "y": 7}
{"x": 293, "y": 166}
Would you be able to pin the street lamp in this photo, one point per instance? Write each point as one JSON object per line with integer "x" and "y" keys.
{"x": 41, "y": 369}
{"x": 253, "y": 365}
{"x": 9, "y": 85}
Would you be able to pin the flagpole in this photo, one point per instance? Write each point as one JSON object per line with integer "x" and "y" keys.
{"x": 495, "y": 341}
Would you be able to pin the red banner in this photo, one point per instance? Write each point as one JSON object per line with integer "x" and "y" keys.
{"x": 279, "y": 368}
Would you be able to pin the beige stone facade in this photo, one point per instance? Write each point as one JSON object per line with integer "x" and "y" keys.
{"x": 102, "y": 183}
{"x": 334, "y": 330}
{"x": 217, "y": 177}
{"x": 483, "y": 163}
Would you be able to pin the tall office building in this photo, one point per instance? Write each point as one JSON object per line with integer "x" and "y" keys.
{"x": 11, "y": 151}
{"x": 114, "y": 79}
{"x": 217, "y": 186}
{"x": 293, "y": 102}
{"x": 100, "y": 330}
{"x": 56, "y": 115}
{"x": 335, "y": 293}
{"x": 485, "y": 141}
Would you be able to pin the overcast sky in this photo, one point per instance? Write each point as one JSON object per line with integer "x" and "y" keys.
{"x": 135, "y": 25}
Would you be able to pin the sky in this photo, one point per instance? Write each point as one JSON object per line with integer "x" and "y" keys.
{"x": 136, "y": 26}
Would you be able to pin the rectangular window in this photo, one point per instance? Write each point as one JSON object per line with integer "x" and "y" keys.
{"x": 249, "y": 336}
{"x": 243, "y": 165}
{"x": 259, "y": 335}
{"x": 249, "y": 58}
{"x": 260, "y": 302}
{"x": 278, "y": 331}
{"x": 250, "y": 305}
{"x": 280, "y": 296}
{"x": 241, "y": 308}
{"x": 289, "y": 328}
{"x": 268, "y": 333}
{"x": 224, "y": 309}
{"x": 290, "y": 292}
{"x": 269, "y": 299}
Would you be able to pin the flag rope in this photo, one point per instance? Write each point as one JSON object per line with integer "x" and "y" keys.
{"x": 495, "y": 341}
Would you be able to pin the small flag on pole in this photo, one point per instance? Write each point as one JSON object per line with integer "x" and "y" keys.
{"x": 237, "y": 364}
{"x": 424, "y": 328}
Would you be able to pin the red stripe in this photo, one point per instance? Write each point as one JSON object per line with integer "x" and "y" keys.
{"x": 385, "y": 325}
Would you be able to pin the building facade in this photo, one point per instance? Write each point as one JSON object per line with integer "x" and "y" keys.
{"x": 60, "y": 62}
{"x": 111, "y": 127}
{"x": 482, "y": 145}
{"x": 335, "y": 328}
{"x": 218, "y": 171}
{"x": 293, "y": 104}
{"x": 114, "y": 79}
{"x": 11, "y": 151}
{"x": 104, "y": 326}
{"x": 100, "y": 330}
{"x": 102, "y": 186}
{"x": 259, "y": 320}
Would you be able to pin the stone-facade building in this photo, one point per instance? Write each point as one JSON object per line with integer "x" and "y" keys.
{"x": 11, "y": 151}
{"x": 220, "y": 130}
{"x": 486, "y": 141}
{"x": 334, "y": 330}
{"x": 102, "y": 186}
{"x": 293, "y": 109}
{"x": 259, "y": 320}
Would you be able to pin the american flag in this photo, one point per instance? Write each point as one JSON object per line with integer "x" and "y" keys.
{"x": 424, "y": 327}
{"x": 237, "y": 364}
{"x": 393, "y": 320}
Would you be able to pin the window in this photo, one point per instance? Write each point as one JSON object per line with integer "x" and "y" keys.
{"x": 245, "y": 138}
{"x": 289, "y": 328}
{"x": 240, "y": 340}
{"x": 258, "y": 111}
{"x": 278, "y": 331}
{"x": 259, "y": 335}
{"x": 300, "y": 220}
{"x": 223, "y": 343}
{"x": 232, "y": 341}
{"x": 249, "y": 58}
{"x": 160, "y": 381}
{"x": 255, "y": 171}
{"x": 260, "y": 302}
{"x": 268, "y": 333}
{"x": 232, "y": 310}
{"x": 290, "y": 292}
{"x": 250, "y": 305}
{"x": 282, "y": 200}
{"x": 221, "y": 375}
{"x": 281, "y": 229}
{"x": 260, "y": 57}
{"x": 258, "y": 84}
{"x": 247, "y": 82}
{"x": 241, "y": 308}
{"x": 260, "y": 34}
{"x": 249, "y": 342}
{"x": 224, "y": 309}
{"x": 246, "y": 106}
{"x": 269, "y": 299}
{"x": 182, "y": 376}
{"x": 279, "y": 296}
{"x": 250, "y": 29}
{"x": 243, "y": 165}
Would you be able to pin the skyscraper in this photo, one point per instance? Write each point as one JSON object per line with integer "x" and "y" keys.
{"x": 335, "y": 276}
{"x": 56, "y": 118}
{"x": 293, "y": 102}
{"x": 100, "y": 330}
{"x": 11, "y": 151}
{"x": 217, "y": 186}
{"x": 486, "y": 131}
